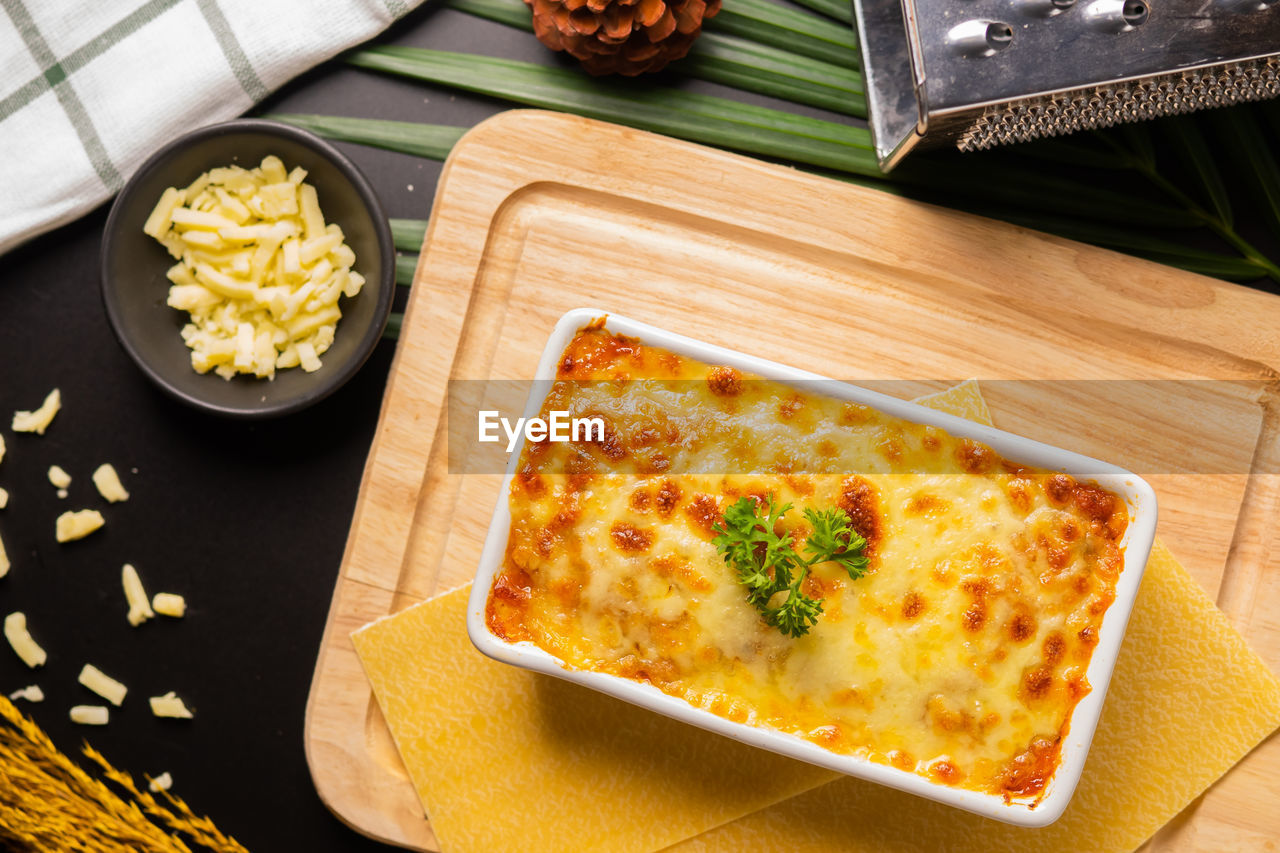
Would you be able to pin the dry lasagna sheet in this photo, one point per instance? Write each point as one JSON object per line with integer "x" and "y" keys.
{"x": 506, "y": 759}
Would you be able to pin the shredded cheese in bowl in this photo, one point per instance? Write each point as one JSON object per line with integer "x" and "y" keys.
{"x": 259, "y": 271}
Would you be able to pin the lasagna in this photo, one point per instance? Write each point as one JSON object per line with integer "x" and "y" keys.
{"x": 960, "y": 655}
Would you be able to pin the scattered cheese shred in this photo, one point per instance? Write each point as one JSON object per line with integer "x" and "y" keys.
{"x": 108, "y": 483}
{"x": 139, "y": 610}
{"x": 4, "y": 498}
{"x": 90, "y": 715}
{"x": 39, "y": 420}
{"x": 258, "y": 269}
{"x": 4, "y": 560}
{"x": 169, "y": 705}
{"x": 15, "y": 631}
{"x": 163, "y": 782}
{"x": 169, "y": 604}
{"x": 60, "y": 478}
{"x": 32, "y": 693}
{"x": 102, "y": 684}
{"x": 1, "y": 448}
{"x": 77, "y": 525}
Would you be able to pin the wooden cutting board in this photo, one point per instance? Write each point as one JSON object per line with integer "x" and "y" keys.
{"x": 538, "y": 212}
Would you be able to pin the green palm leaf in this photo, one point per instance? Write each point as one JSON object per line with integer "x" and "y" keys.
{"x": 972, "y": 180}
{"x": 730, "y": 61}
{"x": 837, "y": 10}
{"x": 513, "y": 13}
{"x": 703, "y": 118}
{"x": 394, "y": 322}
{"x": 1070, "y": 151}
{"x": 406, "y": 265}
{"x": 1240, "y": 127}
{"x": 766, "y": 70}
{"x": 424, "y": 140}
{"x": 1152, "y": 248}
{"x": 408, "y": 234}
{"x": 1138, "y": 138}
{"x": 789, "y": 29}
{"x": 1194, "y": 152}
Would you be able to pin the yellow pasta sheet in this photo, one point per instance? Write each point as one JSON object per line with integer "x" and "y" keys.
{"x": 504, "y": 759}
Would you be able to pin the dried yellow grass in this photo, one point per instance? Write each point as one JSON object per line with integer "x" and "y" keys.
{"x": 49, "y": 803}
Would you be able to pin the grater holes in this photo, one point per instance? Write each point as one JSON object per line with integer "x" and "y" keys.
{"x": 978, "y": 38}
{"x": 1135, "y": 12}
{"x": 1103, "y": 106}
{"x": 1117, "y": 16}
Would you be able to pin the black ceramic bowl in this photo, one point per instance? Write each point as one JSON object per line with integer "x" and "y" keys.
{"x": 134, "y": 287}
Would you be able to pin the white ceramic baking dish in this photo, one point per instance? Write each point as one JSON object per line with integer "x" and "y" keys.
{"x": 1138, "y": 496}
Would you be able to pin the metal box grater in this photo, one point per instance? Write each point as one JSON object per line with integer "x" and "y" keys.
{"x": 979, "y": 73}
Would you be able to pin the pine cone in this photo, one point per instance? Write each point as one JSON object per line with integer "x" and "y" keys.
{"x": 621, "y": 36}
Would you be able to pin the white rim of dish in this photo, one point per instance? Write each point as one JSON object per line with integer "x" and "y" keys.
{"x": 1139, "y": 498}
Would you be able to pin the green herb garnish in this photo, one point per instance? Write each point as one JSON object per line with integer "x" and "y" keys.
{"x": 767, "y": 564}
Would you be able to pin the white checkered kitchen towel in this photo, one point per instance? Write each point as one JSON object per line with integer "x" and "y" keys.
{"x": 90, "y": 88}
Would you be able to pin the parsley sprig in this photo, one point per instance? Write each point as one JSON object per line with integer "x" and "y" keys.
{"x": 767, "y": 563}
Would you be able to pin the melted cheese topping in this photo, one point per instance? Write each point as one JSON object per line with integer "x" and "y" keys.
{"x": 961, "y": 654}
